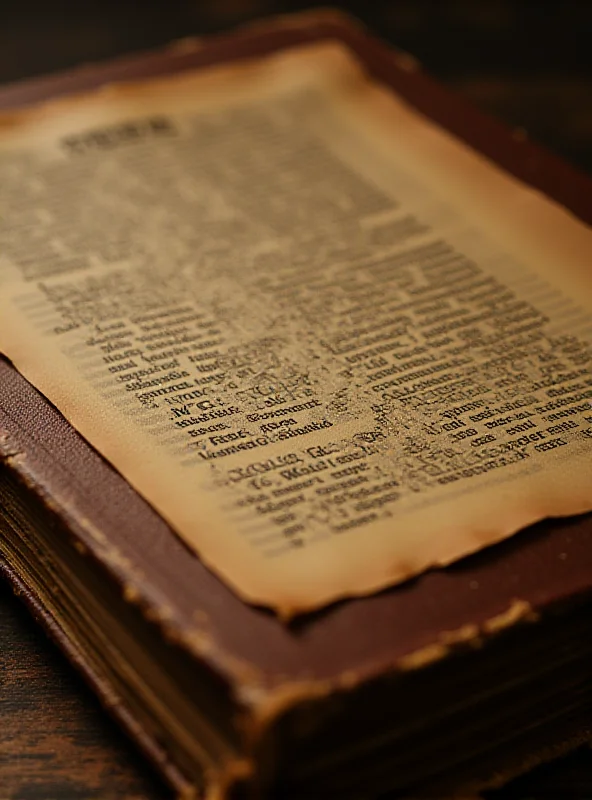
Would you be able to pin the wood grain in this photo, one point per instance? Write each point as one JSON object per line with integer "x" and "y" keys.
{"x": 55, "y": 739}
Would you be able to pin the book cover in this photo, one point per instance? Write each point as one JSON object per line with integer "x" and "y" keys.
{"x": 235, "y": 696}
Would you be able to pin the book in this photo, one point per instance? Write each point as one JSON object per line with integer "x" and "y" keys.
{"x": 278, "y": 242}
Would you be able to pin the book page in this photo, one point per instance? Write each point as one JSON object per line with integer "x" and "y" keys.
{"x": 331, "y": 345}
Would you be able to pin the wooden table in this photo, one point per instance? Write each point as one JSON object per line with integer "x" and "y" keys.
{"x": 56, "y": 742}
{"x": 529, "y": 64}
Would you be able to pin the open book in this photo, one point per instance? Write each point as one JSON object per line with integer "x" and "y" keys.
{"x": 331, "y": 346}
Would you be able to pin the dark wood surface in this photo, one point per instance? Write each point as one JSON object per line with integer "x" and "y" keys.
{"x": 56, "y": 742}
{"x": 529, "y": 63}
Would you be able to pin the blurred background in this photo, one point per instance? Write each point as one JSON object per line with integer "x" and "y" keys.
{"x": 527, "y": 62}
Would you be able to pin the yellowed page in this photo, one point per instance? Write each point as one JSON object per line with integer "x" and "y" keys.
{"x": 331, "y": 345}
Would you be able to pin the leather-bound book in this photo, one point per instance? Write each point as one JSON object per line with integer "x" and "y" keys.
{"x": 295, "y": 414}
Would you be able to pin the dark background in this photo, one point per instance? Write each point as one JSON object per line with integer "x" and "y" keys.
{"x": 529, "y": 63}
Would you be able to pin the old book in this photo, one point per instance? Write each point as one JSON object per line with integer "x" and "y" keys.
{"x": 288, "y": 329}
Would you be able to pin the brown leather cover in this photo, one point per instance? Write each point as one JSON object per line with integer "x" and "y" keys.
{"x": 545, "y": 567}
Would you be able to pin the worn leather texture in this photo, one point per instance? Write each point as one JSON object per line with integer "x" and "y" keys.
{"x": 546, "y": 567}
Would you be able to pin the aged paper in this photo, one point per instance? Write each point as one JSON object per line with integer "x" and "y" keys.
{"x": 331, "y": 345}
